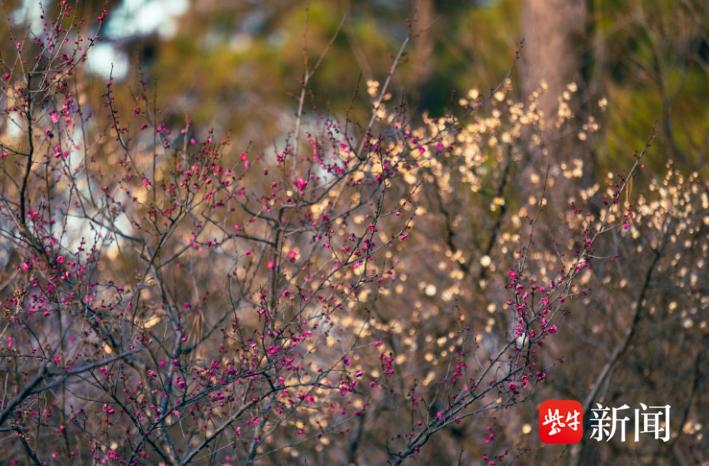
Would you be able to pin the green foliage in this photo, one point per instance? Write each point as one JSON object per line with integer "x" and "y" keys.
{"x": 649, "y": 60}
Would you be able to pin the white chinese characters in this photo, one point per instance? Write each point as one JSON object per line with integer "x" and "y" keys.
{"x": 650, "y": 420}
{"x": 559, "y": 422}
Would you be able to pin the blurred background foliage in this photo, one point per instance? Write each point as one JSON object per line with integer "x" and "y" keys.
{"x": 237, "y": 65}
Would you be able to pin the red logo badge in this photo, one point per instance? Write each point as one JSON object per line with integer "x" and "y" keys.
{"x": 560, "y": 421}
